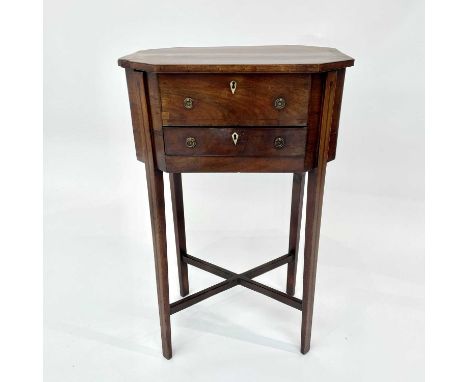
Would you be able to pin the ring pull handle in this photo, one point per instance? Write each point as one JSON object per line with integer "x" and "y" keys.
{"x": 280, "y": 103}
{"x": 188, "y": 103}
{"x": 279, "y": 143}
{"x": 233, "y": 86}
{"x": 190, "y": 142}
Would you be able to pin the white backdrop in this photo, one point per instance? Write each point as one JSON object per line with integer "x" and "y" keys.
{"x": 100, "y": 307}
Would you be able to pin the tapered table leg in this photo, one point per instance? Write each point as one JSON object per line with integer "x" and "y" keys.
{"x": 295, "y": 230}
{"x": 158, "y": 225}
{"x": 155, "y": 184}
{"x": 175, "y": 180}
{"x": 312, "y": 233}
{"x": 315, "y": 188}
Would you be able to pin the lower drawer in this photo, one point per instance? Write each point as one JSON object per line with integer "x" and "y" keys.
{"x": 233, "y": 141}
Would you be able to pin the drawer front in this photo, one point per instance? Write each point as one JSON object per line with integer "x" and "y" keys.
{"x": 233, "y": 141}
{"x": 234, "y": 99}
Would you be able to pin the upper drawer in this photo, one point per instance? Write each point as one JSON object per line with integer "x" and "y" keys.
{"x": 234, "y": 99}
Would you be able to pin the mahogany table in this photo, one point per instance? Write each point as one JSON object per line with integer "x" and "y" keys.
{"x": 236, "y": 109}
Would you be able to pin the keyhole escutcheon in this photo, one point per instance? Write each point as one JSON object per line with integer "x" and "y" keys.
{"x": 235, "y": 137}
{"x": 233, "y": 86}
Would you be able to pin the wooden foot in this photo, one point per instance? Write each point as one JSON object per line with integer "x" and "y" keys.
{"x": 295, "y": 230}
{"x": 175, "y": 180}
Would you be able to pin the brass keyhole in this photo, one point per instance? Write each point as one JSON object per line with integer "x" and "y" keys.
{"x": 233, "y": 86}
{"x": 235, "y": 137}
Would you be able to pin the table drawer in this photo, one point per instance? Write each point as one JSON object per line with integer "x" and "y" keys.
{"x": 234, "y": 99}
{"x": 234, "y": 141}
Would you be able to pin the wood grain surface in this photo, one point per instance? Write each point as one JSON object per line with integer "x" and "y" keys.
{"x": 253, "y": 102}
{"x": 315, "y": 189}
{"x": 236, "y": 59}
{"x": 309, "y": 79}
{"x": 177, "y": 163}
{"x": 252, "y": 141}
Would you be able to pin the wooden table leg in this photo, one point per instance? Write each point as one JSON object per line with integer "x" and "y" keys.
{"x": 158, "y": 224}
{"x": 155, "y": 184}
{"x": 175, "y": 180}
{"x": 295, "y": 230}
{"x": 312, "y": 233}
{"x": 315, "y": 188}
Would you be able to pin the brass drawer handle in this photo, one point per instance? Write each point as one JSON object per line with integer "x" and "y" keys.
{"x": 280, "y": 103}
{"x": 190, "y": 142}
{"x": 188, "y": 103}
{"x": 279, "y": 143}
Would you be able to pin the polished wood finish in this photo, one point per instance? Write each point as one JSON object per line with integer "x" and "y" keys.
{"x": 155, "y": 183}
{"x": 236, "y": 59}
{"x": 206, "y": 266}
{"x": 272, "y": 293}
{"x": 252, "y": 142}
{"x": 295, "y": 230}
{"x": 136, "y": 95}
{"x": 313, "y": 125}
{"x": 309, "y": 79}
{"x": 153, "y": 100}
{"x": 234, "y": 164}
{"x": 336, "y": 113}
{"x": 268, "y": 266}
{"x": 253, "y": 101}
{"x": 233, "y": 279}
{"x": 226, "y": 274}
{"x": 315, "y": 188}
{"x": 202, "y": 295}
{"x": 177, "y": 199}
